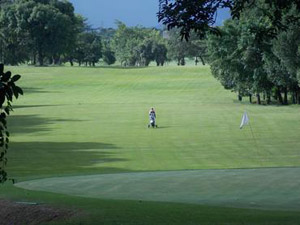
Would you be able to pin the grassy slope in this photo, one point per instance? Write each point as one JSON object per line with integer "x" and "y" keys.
{"x": 93, "y": 120}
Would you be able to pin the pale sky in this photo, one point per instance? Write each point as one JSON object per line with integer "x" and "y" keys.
{"x": 104, "y": 13}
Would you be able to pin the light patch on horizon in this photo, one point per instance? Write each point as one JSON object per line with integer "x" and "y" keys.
{"x": 102, "y": 13}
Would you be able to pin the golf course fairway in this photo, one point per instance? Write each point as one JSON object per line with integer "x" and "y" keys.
{"x": 79, "y": 138}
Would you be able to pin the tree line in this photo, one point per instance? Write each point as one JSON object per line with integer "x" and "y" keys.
{"x": 254, "y": 54}
{"x": 248, "y": 60}
{"x": 45, "y": 32}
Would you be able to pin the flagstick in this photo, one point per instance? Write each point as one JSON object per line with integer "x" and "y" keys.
{"x": 257, "y": 148}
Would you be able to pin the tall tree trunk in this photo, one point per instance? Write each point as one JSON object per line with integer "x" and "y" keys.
{"x": 202, "y": 60}
{"x": 41, "y": 59}
{"x": 240, "y": 97}
{"x": 278, "y": 93}
{"x": 34, "y": 59}
{"x": 51, "y": 60}
{"x": 268, "y": 98}
{"x": 56, "y": 60}
{"x": 182, "y": 61}
{"x": 294, "y": 97}
{"x": 258, "y": 99}
{"x": 71, "y": 62}
{"x": 285, "y": 100}
{"x": 250, "y": 98}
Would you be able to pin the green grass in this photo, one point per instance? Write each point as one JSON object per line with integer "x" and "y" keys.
{"x": 255, "y": 188}
{"x": 78, "y": 121}
{"x": 114, "y": 212}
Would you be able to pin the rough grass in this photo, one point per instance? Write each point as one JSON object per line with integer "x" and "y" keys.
{"x": 31, "y": 213}
{"x": 76, "y": 121}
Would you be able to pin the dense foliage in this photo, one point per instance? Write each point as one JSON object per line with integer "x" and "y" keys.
{"x": 138, "y": 46}
{"x": 8, "y": 90}
{"x": 249, "y": 65}
{"x": 179, "y": 50}
{"x": 200, "y": 16}
{"x": 37, "y": 30}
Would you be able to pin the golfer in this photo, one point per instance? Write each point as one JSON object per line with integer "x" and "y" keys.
{"x": 152, "y": 113}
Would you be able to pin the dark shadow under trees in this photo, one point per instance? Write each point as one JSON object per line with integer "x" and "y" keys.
{"x": 32, "y": 123}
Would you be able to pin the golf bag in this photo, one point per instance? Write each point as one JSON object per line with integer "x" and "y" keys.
{"x": 152, "y": 120}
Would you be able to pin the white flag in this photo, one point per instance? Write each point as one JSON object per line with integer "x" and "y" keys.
{"x": 245, "y": 120}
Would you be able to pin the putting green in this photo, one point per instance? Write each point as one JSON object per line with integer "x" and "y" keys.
{"x": 270, "y": 188}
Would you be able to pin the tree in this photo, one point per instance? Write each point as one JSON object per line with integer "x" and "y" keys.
{"x": 136, "y": 46}
{"x": 197, "y": 48}
{"x": 8, "y": 90}
{"x": 108, "y": 55}
{"x": 188, "y": 15}
{"x": 159, "y": 53}
{"x": 245, "y": 63}
{"x": 177, "y": 49}
{"x": 225, "y": 60}
{"x": 72, "y": 50}
{"x": 283, "y": 64}
{"x": 89, "y": 48}
{"x": 14, "y": 41}
{"x": 42, "y": 28}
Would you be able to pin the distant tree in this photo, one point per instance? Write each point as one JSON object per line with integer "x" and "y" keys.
{"x": 197, "y": 48}
{"x": 8, "y": 90}
{"x": 177, "y": 49}
{"x": 89, "y": 48}
{"x": 72, "y": 51}
{"x": 106, "y": 33}
{"x": 159, "y": 53}
{"x": 125, "y": 44}
{"x": 108, "y": 55}
{"x": 135, "y": 46}
{"x": 46, "y": 29}
{"x": 14, "y": 41}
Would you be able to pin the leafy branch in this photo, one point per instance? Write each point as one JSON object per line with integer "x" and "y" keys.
{"x": 8, "y": 90}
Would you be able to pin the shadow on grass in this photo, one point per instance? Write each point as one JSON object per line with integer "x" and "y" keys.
{"x": 263, "y": 103}
{"x": 40, "y": 159}
{"x": 28, "y": 90}
{"x": 32, "y": 106}
{"x": 163, "y": 127}
{"x": 32, "y": 123}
